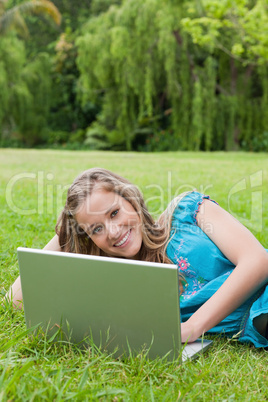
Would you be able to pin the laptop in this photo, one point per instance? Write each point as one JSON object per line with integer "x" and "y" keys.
{"x": 123, "y": 306}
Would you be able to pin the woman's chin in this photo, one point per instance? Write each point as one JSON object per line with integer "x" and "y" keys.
{"x": 134, "y": 254}
{"x": 130, "y": 254}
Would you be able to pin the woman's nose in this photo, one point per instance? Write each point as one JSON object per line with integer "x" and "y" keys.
{"x": 113, "y": 230}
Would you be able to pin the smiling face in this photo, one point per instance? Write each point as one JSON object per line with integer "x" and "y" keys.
{"x": 112, "y": 223}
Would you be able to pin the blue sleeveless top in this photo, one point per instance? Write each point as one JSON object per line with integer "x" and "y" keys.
{"x": 205, "y": 268}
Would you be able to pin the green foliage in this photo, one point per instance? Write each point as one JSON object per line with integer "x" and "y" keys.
{"x": 13, "y": 17}
{"x": 188, "y": 58}
{"x": 14, "y": 95}
{"x": 100, "y": 6}
{"x": 4, "y": 93}
{"x": 161, "y": 141}
{"x": 24, "y": 107}
{"x": 57, "y": 137}
{"x": 233, "y": 26}
{"x": 25, "y": 97}
{"x": 197, "y": 122}
{"x": 97, "y": 137}
{"x": 124, "y": 71}
{"x": 37, "y": 78}
{"x": 257, "y": 143}
{"x": 66, "y": 111}
{"x": 209, "y": 82}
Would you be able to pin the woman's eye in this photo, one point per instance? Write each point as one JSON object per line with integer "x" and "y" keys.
{"x": 97, "y": 230}
{"x": 114, "y": 213}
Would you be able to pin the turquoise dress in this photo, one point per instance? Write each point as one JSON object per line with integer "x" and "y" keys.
{"x": 205, "y": 268}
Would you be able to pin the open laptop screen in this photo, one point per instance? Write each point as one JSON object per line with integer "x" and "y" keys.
{"x": 136, "y": 303}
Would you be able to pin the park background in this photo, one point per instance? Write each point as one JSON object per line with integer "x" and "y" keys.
{"x": 94, "y": 80}
{"x": 138, "y": 75}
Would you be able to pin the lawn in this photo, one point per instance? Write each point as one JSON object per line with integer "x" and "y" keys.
{"x": 33, "y": 186}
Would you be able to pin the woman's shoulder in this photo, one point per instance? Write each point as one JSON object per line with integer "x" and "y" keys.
{"x": 183, "y": 209}
{"x": 186, "y": 206}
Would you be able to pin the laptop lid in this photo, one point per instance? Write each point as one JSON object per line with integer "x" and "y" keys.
{"x": 121, "y": 304}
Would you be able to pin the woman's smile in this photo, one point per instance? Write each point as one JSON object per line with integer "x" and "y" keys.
{"x": 124, "y": 241}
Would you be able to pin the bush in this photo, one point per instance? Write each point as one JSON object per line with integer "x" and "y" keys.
{"x": 256, "y": 144}
{"x": 160, "y": 141}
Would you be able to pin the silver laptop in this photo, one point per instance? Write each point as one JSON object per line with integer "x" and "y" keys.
{"x": 123, "y": 306}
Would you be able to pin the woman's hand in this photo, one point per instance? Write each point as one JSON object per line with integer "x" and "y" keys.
{"x": 15, "y": 293}
{"x": 189, "y": 332}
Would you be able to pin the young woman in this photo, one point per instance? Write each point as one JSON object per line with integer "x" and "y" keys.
{"x": 223, "y": 269}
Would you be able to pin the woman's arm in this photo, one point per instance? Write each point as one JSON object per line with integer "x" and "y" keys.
{"x": 14, "y": 292}
{"x": 53, "y": 244}
{"x": 251, "y": 272}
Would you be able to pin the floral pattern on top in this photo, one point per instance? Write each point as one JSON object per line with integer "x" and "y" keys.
{"x": 183, "y": 264}
{"x": 192, "y": 282}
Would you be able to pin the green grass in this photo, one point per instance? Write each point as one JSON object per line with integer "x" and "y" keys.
{"x": 33, "y": 369}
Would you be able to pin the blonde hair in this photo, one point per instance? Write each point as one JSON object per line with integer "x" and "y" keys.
{"x": 74, "y": 239}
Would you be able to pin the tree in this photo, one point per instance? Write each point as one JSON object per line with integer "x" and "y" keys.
{"x": 25, "y": 90}
{"x": 13, "y": 18}
{"x": 202, "y": 63}
{"x": 25, "y": 87}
